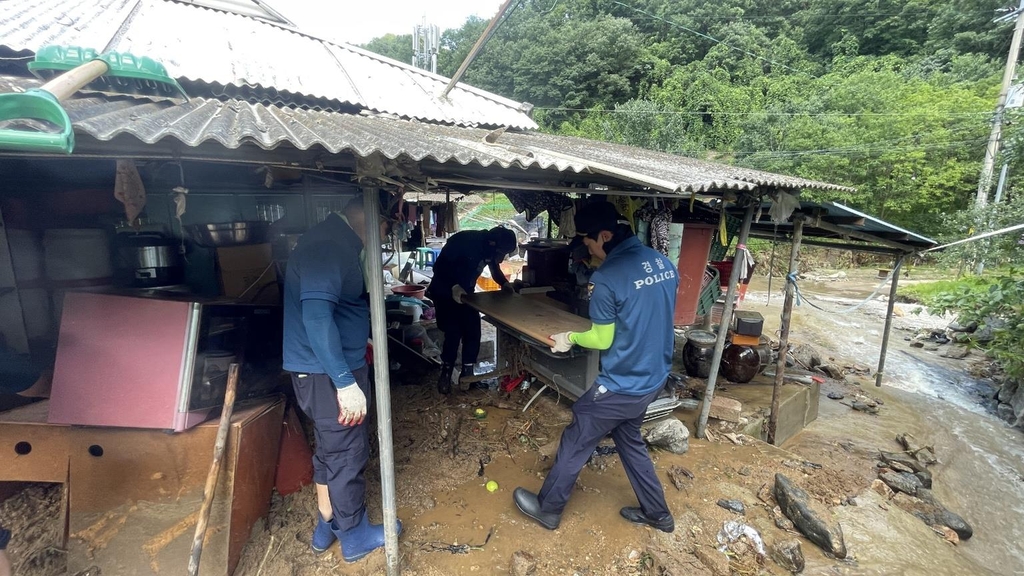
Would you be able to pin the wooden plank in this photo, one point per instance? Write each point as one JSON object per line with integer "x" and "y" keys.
{"x": 528, "y": 316}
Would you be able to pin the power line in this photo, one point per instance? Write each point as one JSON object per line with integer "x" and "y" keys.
{"x": 713, "y": 39}
{"x": 794, "y": 114}
{"x": 758, "y": 155}
{"x": 809, "y": 13}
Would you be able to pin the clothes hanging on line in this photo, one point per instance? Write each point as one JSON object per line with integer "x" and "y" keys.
{"x": 534, "y": 203}
{"x": 655, "y": 223}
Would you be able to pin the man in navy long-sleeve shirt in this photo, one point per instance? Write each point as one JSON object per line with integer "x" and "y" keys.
{"x": 460, "y": 263}
{"x": 326, "y": 326}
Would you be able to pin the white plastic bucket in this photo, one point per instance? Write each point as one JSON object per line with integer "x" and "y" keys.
{"x": 77, "y": 254}
{"x": 26, "y": 254}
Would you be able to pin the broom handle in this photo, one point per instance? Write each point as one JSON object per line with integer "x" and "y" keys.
{"x": 73, "y": 80}
{"x": 211, "y": 478}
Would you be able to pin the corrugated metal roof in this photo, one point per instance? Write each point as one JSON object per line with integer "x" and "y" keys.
{"x": 834, "y": 221}
{"x": 235, "y": 123}
{"x": 221, "y": 48}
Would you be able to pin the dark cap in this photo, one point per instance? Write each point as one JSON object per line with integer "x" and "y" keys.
{"x": 598, "y": 216}
{"x": 504, "y": 239}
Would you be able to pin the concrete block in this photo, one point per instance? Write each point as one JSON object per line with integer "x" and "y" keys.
{"x": 726, "y": 409}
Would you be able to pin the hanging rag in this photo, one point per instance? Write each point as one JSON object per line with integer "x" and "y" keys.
{"x": 567, "y": 222}
{"x": 128, "y": 189}
{"x": 783, "y": 206}
{"x": 451, "y": 218}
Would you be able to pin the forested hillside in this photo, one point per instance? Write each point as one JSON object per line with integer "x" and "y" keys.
{"x": 892, "y": 97}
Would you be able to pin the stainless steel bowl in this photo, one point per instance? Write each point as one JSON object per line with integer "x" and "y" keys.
{"x": 230, "y": 233}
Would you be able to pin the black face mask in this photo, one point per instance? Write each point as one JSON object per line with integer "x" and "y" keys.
{"x": 622, "y": 233}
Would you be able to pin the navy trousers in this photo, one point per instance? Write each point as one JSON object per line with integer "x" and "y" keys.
{"x": 596, "y": 414}
{"x": 459, "y": 323}
{"x": 339, "y": 460}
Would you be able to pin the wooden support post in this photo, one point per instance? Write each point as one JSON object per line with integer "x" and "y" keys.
{"x": 382, "y": 376}
{"x": 888, "y": 320}
{"x": 211, "y": 479}
{"x": 738, "y": 263}
{"x": 787, "y": 312}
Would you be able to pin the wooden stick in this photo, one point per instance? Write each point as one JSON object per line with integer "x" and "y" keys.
{"x": 211, "y": 478}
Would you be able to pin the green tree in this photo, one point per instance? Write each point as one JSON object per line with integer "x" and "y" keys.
{"x": 394, "y": 46}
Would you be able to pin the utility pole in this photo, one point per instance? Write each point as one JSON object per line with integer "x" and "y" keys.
{"x": 985, "y": 182}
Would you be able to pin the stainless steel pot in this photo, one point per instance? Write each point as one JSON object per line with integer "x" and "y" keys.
{"x": 230, "y": 233}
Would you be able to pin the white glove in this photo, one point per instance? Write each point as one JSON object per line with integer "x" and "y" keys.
{"x": 458, "y": 293}
{"x": 351, "y": 405}
{"x": 562, "y": 343}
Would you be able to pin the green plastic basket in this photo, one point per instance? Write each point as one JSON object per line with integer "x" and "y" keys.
{"x": 732, "y": 228}
{"x": 710, "y": 291}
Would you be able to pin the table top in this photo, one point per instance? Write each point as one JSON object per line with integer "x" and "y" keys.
{"x": 529, "y": 316}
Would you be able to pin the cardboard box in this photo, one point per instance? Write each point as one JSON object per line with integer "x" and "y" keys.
{"x": 246, "y": 273}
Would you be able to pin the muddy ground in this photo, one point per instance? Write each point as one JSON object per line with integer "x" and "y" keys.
{"x": 453, "y": 525}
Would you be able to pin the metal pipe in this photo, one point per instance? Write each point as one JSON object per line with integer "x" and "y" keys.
{"x": 723, "y": 328}
{"x": 888, "y": 321}
{"x": 381, "y": 373}
{"x": 787, "y": 313}
{"x": 476, "y": 48}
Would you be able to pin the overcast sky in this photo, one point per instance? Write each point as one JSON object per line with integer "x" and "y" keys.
{"x": 358, "y": 21}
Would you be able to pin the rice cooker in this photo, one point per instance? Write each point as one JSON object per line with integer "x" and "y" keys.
{"x": 146, "y": 260}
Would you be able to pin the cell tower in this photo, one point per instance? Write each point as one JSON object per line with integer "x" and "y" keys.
{"x": 425, "y": 40}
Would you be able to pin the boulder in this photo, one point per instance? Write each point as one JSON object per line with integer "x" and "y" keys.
{"x": 901, "y": 482}
{"x": 987, "y": 332}
{"x": 832, "y": 371}
{"x": 926, "y": 507}
{"x": 1005, "y": 413}
{"x": 902, "y": 458}
{"x": 957, "y": 352}
{"x": 797, "y": 506}
{"x": 968, "y": 327}
{"x": 925, "y": 477}
{"x": 1017, "y": 403}
{"x": 1007, "y": 390}
{"x": 523, "y": 564}
{"x": 806, "y": 356}
{"x": 669, "y": 434}
{"x": 788, "y": 555}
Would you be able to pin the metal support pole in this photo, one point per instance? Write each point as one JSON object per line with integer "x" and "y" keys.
{"x": 381, "y": 374}
{"x": 787, "y": 312}
{"x": 723, "y": 328}
{"x": 475, "y": 50}
{"x": 888, "y": 320}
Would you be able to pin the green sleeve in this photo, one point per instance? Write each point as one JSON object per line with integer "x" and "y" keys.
{"x": 599, "y": 337}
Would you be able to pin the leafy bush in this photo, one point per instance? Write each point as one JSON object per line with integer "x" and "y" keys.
{"x": 1000, "y": 309}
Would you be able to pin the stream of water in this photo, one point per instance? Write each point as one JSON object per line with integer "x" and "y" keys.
{"x": 981, "y": 474}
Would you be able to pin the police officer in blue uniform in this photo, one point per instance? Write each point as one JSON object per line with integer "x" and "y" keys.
{"x": 631, "y": 307}
{"x": 460, "y": 263}
{"x": 326, "y": 327}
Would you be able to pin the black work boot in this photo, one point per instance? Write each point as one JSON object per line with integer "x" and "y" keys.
{"x": 637, "y": 516}
{"x": 444, "y": 381}
{"x": 464, "y": 374}
{"x": 528, "y": 504}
